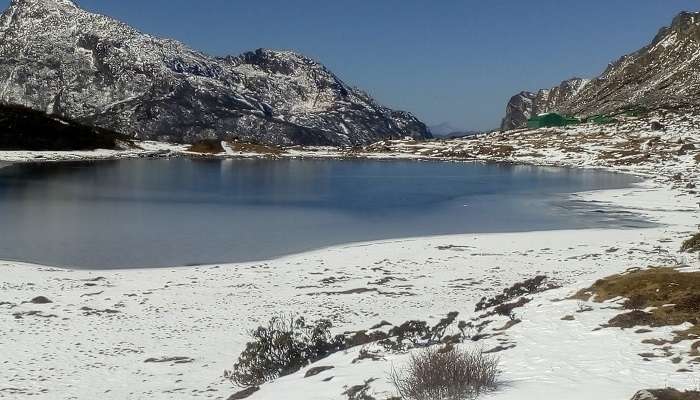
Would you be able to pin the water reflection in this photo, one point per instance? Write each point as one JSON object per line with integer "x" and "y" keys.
{"x": 176, "y": 212}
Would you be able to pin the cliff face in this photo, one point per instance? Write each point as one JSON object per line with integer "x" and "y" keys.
{"x": 60, "y": 59}
{"x": 664, "y": 73}
{"x": 524, "y": 105}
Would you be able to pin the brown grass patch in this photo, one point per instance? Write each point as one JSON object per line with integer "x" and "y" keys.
{"x": 255, "y": 148}
{"x": 208, "y": 146}
{"x": 495, "y": 150}
{"x": 672, "y": 295}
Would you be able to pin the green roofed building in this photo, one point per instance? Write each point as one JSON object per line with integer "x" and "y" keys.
{"x": 551, "y": 120}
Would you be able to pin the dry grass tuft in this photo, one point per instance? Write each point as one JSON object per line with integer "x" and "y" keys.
{"x": 672, "y": 298}
{"x": 446, "y": 374}
{"x": 255, "y": 148}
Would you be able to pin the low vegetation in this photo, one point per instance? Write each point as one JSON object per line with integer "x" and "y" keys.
{"x": 261, "y": 149}
{"x": 208, "y": 146}
{"x": 530, "y": 286}
{"x": 655, "y": 297}
{"x": 287, "y": 344}
{"x": 692, "y": 245}
{"x": 446, "y": 374}
{"x": 666, "y": 394}
{"x": 22, "y": 128}
{"x": 284, "y": 346}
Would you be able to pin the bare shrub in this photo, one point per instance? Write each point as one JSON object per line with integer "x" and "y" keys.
{"x": 531, "y": 286}
{"x": 446, "y": 374}
{"x": 283, "y": 347}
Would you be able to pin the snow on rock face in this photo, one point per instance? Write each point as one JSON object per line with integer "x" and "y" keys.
{"x": 664, "y": 73}
{"x": 59, "y": 58}
{"x": 518, "y": 111}
{"x": 525, "y": 105}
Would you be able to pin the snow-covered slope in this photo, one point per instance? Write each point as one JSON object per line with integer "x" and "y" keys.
{"x": 61, "y": 59}
{"x": 664, "y": 73}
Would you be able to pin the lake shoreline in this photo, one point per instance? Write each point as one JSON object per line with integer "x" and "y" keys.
{"x": 125, "y": 310}
{"x": 233, "y": 203}
{"x": 204, "y": 313}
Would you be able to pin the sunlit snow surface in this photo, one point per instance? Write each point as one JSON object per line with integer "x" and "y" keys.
{"x": 204, "y": 312}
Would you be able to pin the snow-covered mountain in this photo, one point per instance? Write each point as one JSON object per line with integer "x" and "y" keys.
{"x": 60, "y": 59}
{"x": 664, "y": 73}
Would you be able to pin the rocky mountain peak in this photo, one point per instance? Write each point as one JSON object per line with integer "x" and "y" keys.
{"x": 685, "y": 20}
{"x": 57, "y": 58}
{"x": 46, "y": 5}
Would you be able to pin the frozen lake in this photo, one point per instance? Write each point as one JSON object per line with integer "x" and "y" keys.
{"x": 154, "y": 213}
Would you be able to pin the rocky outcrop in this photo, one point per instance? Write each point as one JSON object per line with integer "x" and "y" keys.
{"x": 524, "y": 105}
{"x": 58, "y": 58}
{"x": 518, "y": 111}
{"x": 666, "y": 73}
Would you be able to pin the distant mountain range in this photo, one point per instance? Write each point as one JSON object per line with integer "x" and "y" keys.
{"x": 60, "y": 59}
{"x": 666, "y": 73}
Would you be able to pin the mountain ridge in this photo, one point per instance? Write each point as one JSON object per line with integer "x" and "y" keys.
{"x": 58, "y": 58}
{"x": 665, "y": 73}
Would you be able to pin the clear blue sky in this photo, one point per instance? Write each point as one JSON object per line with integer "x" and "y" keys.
{"x": 444, "y": 60}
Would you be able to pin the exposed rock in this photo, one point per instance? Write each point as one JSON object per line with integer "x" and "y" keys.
{"x": 244, "y": 394}
{"x": 317, "y": 370}
{"x": 524, "y": 105}
{"x": 58, "y": 58}
{"x": 40, "y": 300}
{"x": 518, "y": 111}
{"x": 174, "y": 360}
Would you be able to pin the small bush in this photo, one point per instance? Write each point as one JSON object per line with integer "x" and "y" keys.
{"x": 692, "y": 245}
{"x": 531, "y": 286}
{"x": 446, "y": 374}
{"x": 508, "y": 309}
{"x": 283, "y": 347}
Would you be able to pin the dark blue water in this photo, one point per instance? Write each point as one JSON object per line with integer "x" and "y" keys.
{"x": 135, "y": 213}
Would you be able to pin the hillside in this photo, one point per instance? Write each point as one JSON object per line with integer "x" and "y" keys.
{"x": 60, "y": 59}
{"x": 663, "y": 74}
{"x": 22, "y": 128}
